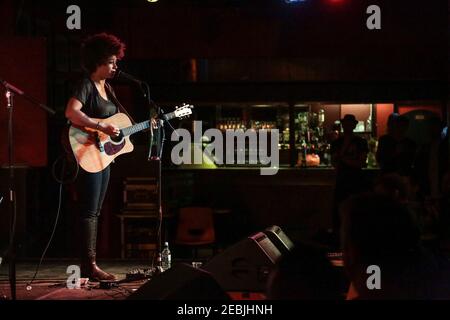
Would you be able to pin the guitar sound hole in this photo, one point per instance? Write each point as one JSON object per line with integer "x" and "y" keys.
{"x": 118, "y": 138}
{"x": 112, "y": 148}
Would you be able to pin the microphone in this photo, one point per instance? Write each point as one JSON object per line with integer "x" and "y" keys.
{"x": 126, "y": 76}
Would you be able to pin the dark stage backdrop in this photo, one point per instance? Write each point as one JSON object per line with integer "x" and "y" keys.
{"x": 23, "y": 63}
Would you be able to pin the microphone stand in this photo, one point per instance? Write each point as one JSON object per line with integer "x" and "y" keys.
{"x": 158, "y": 158}
{"x": 159, "y": 150}
{"x": 161, "y": 137}
{"x": 10, "y": 90}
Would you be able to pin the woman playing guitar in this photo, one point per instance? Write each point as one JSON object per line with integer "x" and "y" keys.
{"x": 92, "y": 101}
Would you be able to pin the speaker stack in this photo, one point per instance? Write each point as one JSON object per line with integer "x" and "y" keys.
{"x": 243, "y": 267}
{"x": 279, "y": 239}
{"x": 246, "y": 265}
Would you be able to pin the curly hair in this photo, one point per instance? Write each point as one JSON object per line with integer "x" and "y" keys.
{"x": 96, "y": 49}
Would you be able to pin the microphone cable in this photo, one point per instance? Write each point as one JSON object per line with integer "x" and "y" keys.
{"x": 61, "y": 182}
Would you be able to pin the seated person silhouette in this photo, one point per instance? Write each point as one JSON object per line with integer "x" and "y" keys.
{"x": 379, "y": 230}
{"x": 393, "y": 185}
{"x": 305, "y": 273}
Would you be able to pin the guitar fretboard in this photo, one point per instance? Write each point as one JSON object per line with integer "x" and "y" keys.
{"x": 144, "y": 125}
{"x": 136, "y": 128}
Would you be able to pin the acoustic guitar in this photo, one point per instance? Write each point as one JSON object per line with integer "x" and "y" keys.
{"x": 95, "y": 150}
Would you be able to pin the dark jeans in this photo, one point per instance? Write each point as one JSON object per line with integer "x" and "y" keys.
{"x": 91, "y": 193}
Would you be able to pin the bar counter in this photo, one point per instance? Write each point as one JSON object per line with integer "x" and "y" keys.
{"x": 299, "y": 200}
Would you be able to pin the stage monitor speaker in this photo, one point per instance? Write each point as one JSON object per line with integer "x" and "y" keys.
{"x": 181, "y": 282}
{"x": 246, "y": 265}
{"x": 280, "y": 239}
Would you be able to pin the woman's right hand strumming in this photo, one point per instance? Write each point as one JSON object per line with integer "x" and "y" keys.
{"x": 109, "y": 129}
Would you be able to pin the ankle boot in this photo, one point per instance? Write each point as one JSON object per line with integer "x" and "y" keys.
{"x": 90, "y": 270}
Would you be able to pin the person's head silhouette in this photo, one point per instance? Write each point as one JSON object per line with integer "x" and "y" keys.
{"x": 305, "y": 273}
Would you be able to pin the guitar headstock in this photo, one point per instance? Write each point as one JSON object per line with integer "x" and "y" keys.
{"x": 184, "y": 111}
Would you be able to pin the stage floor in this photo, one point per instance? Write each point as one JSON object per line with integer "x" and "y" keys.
{"x": 51, "y": 281}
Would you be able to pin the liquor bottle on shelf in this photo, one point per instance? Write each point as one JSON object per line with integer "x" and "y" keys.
{"x": 304, "y": 153}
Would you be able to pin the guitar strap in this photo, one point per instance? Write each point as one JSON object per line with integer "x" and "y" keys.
{"x": 111, "y": 93}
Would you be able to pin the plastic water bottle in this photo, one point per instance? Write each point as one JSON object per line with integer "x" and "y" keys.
{"x": 166, "y": 258}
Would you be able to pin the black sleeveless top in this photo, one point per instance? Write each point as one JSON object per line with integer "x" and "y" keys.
{"x": 94, "y": 105}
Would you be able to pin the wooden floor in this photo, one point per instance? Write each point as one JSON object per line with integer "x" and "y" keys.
{"x": 51, "y": 281}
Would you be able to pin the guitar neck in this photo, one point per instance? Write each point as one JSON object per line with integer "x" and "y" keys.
{"x": 128, "y": 131}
